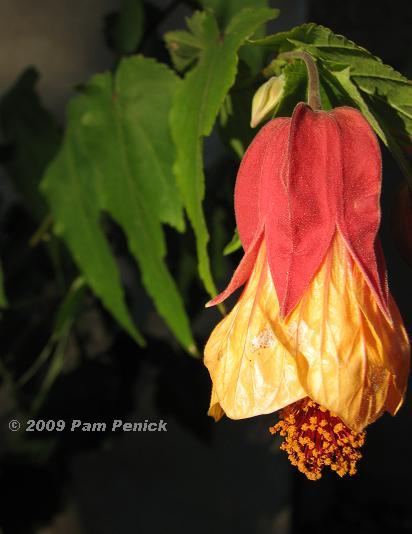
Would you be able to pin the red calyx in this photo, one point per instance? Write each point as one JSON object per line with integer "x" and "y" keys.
{"x": 301, "y": 179}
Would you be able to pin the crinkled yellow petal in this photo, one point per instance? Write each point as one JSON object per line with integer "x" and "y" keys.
{"x": 350, "y": 359}
{"x": 336, "y": 347}
{"x": 248, "y": 353}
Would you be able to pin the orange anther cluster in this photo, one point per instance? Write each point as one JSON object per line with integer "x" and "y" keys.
{"x": 315, "y": 437}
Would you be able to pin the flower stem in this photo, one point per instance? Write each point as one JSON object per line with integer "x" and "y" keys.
{"x": 313, "y": 76}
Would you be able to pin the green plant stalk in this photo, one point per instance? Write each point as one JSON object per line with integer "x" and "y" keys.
{"x": 313, "y": 76}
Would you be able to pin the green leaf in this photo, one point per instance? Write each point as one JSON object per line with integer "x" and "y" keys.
{"x": 233, "y": 245}
{"x": 195, "y": 107}
{"x": 224, "y": 10}
{"x": 332, "y": 92}
{"x": 3, "y": 298}
{"x": 69, "y": 186}
{"x": 294, "y": 90}
{"x": 128, "y": 31}
{"x": 342, "y": 80}
{"x": 381, "y": 93}
{"x": 117, "y": 157}
{"x": 186, "y": 46}
{"x": 33, "y": 137}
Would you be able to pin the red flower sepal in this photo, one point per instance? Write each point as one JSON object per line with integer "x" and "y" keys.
{"x": 302, "y": 179}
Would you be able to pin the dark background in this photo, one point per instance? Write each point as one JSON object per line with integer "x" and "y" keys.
{"x": 199, "y": 477}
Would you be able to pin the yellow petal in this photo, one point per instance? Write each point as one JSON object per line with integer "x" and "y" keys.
{"x": 350, "y": 359}
{"x": 215, "y": 410}
{"x": 248, "y": 356}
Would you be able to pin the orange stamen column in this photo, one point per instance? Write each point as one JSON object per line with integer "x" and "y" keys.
{"x": 315, "y": 437}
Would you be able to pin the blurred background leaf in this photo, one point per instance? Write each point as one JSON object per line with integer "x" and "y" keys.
{"x": 117, "y": 157}
{"x": 129, "y": 26}
{"x": 186, "y": 46}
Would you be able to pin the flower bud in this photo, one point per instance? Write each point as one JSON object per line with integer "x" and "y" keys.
{"x": 266, "y": 98}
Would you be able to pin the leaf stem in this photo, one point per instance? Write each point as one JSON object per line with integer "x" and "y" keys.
{"x": 41, "y": 230}
{"x": 313, "y": 76}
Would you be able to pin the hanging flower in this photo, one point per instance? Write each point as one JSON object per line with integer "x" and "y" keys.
{"x": 315, "y": 333}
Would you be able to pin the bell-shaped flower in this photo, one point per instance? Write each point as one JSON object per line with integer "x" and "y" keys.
{"x": 315, "y": 332}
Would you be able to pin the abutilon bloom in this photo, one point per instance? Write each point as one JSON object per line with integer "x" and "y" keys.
{"x": 315, "y": 332}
